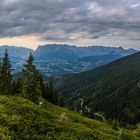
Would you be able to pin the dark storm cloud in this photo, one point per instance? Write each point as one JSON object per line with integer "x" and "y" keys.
{"x": 68, "y": 20}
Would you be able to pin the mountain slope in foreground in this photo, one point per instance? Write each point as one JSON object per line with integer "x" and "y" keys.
{"x": 21, "y": 119}
{"x": 113, "y": 90}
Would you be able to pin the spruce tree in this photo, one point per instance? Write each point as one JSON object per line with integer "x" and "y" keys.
{"x": 61, "y": 102}
{"x": 42, "y": 84}
{"x": 50, "y": 93}
{"x": 31, "y": 86}
{"x": 5, "y": 74}
{"x": 16, "y": 86}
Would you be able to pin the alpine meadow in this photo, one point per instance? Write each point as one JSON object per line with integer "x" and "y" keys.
{"x": 69, "y": 70}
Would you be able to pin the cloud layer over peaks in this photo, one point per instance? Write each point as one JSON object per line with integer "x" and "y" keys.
{"x": 69, "y": 20}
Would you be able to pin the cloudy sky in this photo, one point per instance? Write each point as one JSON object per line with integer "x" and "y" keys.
{"x": 81, "y": 22}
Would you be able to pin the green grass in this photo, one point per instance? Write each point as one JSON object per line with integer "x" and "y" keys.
{"x": 21, "y": 119}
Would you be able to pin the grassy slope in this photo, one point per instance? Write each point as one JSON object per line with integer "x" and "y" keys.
{"x": 22, "y": 119}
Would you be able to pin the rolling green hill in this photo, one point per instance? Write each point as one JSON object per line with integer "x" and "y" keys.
{"x": 21, "y": 119}
{"x": 113, "y": 90}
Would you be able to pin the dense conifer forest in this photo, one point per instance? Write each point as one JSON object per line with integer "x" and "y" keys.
{"x": 112, "y": 90}
{"x": 29, "y": 85}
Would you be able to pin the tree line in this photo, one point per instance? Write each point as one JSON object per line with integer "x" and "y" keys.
{"x": 29, "y": 85}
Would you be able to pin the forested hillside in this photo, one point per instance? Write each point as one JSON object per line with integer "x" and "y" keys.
{"x": 113, "y": 90}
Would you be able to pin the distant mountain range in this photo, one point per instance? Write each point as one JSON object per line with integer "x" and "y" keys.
{"x": 67, "y": 52}
{"x": 18, "y": 55}
{"x": 112, "y": 90}
{"x": 55, "y": 60}
{"x": 14, "y": 51}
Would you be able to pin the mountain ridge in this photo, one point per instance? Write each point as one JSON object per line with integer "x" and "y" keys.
{"x": 90, "y": 50}
{"x": 65, "y": 59}
{"x": 55, "y": 59}
{"x": 15, "y": 51}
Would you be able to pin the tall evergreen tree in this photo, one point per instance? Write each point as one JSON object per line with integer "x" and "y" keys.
{"x": 16, "y": 86}
{"x": 5, "y": 74}
{"x": 31, "y": 85}
{"x": 61, "y": 102}
{"x": 50, "y": 93}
